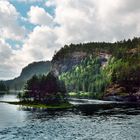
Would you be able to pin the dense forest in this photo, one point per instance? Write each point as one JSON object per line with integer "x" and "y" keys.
{"x": 108, "y": 69}
{"x": 3, "y": 88}
{"x": 44, "y": 89}
{"x": 120, "y": 49}
{"x": 87, "y": 79}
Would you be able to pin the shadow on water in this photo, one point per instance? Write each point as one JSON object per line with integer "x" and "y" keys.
{"x": 85, "y": 121}
{"x": 86, "y": 110}
{"x": 41, "y": 113}
{"x": 109, "y": 109}
{"x": 1, "y": 94}
{"x": 98, "y": 108}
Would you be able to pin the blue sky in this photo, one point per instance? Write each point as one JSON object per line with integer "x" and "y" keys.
{"x": 23, "y": 7}
{"x": 32, "y": 30}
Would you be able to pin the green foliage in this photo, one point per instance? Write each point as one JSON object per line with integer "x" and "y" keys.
{"x": 63, "y": 105}
{"x": 46, "y": 89}
{"x": 118, "y": 49}
{"x": 3, "y": 87}
{"x": 88, "y": 77}
{"x": 123, "y": 68}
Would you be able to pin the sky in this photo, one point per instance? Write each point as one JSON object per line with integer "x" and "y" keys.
{"x": 32, "y": 30}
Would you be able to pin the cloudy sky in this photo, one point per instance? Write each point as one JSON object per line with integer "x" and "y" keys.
{"x": 31, "y": 30}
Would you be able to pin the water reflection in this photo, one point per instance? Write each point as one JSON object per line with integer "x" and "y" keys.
{"x": 9, "y": 97}
{"x": 1, "y": 95}
{"x": 18, "y": 122}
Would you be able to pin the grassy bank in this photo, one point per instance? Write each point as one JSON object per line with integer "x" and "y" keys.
{"x": 65, "y": 105}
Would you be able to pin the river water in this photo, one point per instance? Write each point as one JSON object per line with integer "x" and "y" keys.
{"x": 20, "y": 123}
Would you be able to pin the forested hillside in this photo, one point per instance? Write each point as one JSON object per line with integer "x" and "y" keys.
{"x": 92, "y": 70}
{"x": 36, "y": 68}
{"x": 105, "y": 69}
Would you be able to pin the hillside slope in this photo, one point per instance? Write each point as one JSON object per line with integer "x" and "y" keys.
{"x": 109, "y": 71}
{"x": 82, "y": 68}
{"x": 37, "y": 68}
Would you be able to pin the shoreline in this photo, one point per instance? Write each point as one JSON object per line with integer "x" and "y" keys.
{"x": 70, "y": 105}
{"x": 65, "y": 105}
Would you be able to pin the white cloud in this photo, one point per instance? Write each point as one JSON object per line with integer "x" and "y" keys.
{"x": 28, "y": 1}
{"x": 91, "y": 20}
{"x": 6, "y": 53}
{"x": 50, "y": 3}
{"x": 76, "y": 20}
{"x": 9, "y": 27}
{"x": 38, "y": 15}
{"x": 40, "y": 45}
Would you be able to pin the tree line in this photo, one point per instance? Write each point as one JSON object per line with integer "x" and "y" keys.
{"x": 44, "y": 89}
{"x": 3, "y": 87}
{"x": 122, "y": 69}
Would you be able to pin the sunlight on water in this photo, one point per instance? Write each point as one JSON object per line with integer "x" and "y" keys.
{"x": 17, "y": 123}
{"x": 9, "y": 98}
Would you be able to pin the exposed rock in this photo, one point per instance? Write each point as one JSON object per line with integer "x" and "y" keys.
{"x": 104, "y": 58}
{"x": 73, "y": 59}
{"x": 66, "y": 64}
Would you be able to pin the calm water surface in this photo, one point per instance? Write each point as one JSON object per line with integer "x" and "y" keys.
{"x": 19, "y": 123}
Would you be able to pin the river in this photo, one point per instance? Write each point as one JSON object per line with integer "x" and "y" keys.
{"x": 21, "y": 123}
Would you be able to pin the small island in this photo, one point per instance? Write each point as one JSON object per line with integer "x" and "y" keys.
{"x": 44, "y": 92}
{"x": 3, "y": 88}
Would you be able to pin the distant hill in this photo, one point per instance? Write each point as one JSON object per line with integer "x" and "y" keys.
{"x": 38, "y": 68}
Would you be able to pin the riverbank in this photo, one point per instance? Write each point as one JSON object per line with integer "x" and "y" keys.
{"x": 65, "y": 105}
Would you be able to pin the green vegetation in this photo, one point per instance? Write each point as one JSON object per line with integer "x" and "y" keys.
{"x": 91, "y": 78}
{"x": 122, "y": 49}
{"x": 64, "y": 105}
{"x": 80, "y": 94}
{"x": 87, "y": 79}
{"x": 89, "y": 70}
{"x": 44, "y": 90}
{"x": 3, "y": 87}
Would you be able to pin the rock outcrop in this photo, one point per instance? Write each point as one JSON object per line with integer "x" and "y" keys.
{"x": 67, "y": 63}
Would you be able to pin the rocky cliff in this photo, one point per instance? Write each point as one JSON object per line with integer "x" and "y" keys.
{"x": 67, "y": 63}
{"x": 119, "y": 78}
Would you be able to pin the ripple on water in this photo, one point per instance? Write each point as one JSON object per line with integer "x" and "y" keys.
{"x": 72, "y": 126}
{"x": 103, "y": 124}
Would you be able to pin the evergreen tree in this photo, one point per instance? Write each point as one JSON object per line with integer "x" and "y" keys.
{"x": 3, "y": 87}
{"x": 48, "y": 89}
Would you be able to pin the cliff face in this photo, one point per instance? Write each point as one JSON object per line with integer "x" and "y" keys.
{"x": 67, "y": 63}
{"x": 117, "y": 77}
{"x": 71, "y": 60}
